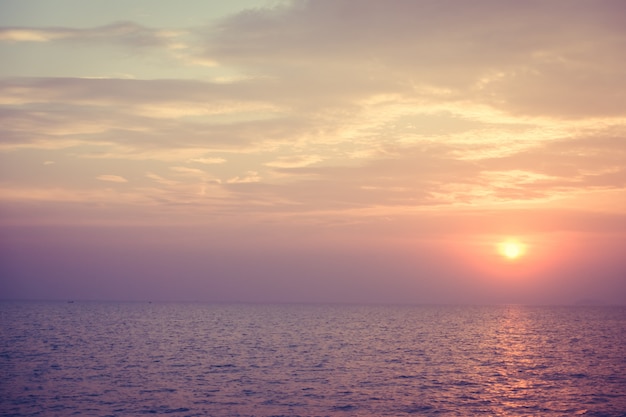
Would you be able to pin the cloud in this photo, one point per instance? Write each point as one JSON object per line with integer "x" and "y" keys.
{"x": 344, "y": 105}
{"x": 125, "y": 33}
{"x": 135, "y": 115}
{"x": 561, "y": 58}
{"x": 160, "y": 179}
{"x": 208, "y": 161}
{"x": 391, "y": 151}
{"x": 295, "y": 161}
{"x": 249, "y": 177}
{"x": 112, "y": 178}
{"x": 31, "y": 35}
{"x": 573, "y": 162}
{"x": 188, "y": 171}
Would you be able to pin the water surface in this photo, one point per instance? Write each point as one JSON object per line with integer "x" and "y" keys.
{"x": 120, "y": 359}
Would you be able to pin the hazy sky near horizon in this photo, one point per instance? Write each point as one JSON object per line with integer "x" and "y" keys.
{"x": 313, "y": 151}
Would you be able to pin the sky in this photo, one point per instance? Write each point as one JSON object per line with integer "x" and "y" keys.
{"x": 353, "y": 151}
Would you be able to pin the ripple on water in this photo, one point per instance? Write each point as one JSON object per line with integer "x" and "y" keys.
{"x": 193, "y": 359}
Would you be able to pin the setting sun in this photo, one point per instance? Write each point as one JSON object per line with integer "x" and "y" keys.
{"x": 511, "y": 249}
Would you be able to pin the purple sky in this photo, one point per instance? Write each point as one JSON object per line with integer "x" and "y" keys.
{"x": 322, "y": 151}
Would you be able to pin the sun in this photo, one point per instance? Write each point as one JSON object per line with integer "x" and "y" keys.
{"x": 511, "y": 249}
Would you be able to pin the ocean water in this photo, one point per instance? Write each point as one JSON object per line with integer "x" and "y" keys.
{"x": 127, "y": 359}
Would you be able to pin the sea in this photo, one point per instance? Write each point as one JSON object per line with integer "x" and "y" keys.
{"x": 194, "y": 359}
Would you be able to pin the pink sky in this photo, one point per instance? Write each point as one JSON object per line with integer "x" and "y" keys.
{"x": 324, "y": 151}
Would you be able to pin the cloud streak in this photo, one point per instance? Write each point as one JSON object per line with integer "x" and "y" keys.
{"x": 123, "y": 33}
{"x": 111, "y": 178}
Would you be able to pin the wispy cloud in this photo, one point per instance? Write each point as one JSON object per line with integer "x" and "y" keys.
{"x": 208, "y": 160}
{"x": 111, "y": 178}
{"x": 187, "y": 171}
{"x": 249, "y": 177}
{"x": 295, "y": 161}
{"x": 160, "y": 179}
{"x": 128, "y": 33}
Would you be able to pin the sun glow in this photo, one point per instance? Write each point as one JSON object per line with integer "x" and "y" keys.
{"x": 511, "y": 249}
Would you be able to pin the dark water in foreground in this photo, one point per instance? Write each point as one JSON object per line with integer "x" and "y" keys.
{"x": 120, "y": 359}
